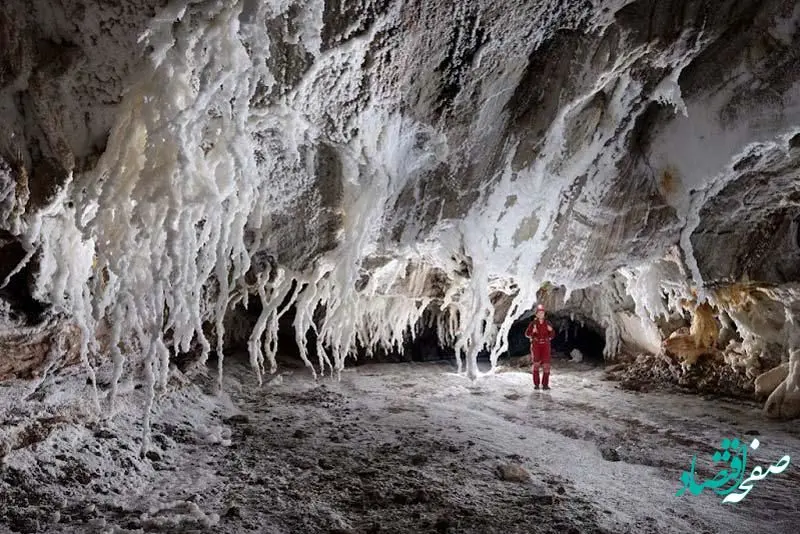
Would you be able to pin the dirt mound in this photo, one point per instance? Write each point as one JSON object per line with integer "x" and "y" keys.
{"x": 708, "y": 376}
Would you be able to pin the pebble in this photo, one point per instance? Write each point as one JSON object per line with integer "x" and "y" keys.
{"x": 610, "y": 454}
{"x": 513, "y": 473}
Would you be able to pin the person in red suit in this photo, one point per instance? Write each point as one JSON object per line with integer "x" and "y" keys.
{"x": 540, "y": 332}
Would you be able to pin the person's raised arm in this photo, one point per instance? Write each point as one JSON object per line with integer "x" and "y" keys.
{"x": 529, "y": 330}
{"x": 551, "y": 331}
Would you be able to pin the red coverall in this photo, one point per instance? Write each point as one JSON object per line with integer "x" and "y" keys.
{"x": 540, "y": 333}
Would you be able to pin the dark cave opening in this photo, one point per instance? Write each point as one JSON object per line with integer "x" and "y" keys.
{"x": 572, "y": 333}
{"x": 582, "y": 334}
{"x": 424, "y": 347}
{"x": 17, "y": 293}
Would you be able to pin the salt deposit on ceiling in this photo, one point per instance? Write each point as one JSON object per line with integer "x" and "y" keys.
{"x": 379, "y": 159}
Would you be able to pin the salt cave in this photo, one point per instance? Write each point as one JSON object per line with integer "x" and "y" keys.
{"x": 265, "y": 262}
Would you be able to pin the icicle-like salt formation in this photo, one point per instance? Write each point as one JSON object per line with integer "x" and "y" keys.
{"x": 212, "y": 141}
{"x": 179, "y": 184}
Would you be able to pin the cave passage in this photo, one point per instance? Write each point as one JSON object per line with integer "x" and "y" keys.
{"x": 583, "y": 334}
{"x": 572, "y": 333}
{"x": 424, "y": 347}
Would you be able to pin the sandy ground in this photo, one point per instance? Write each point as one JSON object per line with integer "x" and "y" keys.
{"x": 389, "y": 448}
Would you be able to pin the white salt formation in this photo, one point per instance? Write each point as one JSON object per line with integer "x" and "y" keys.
{"x": 389, "y": 162}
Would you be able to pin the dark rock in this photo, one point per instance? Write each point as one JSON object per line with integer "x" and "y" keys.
{"x": 326, "y": 464}
{"x": 753, "y": 433}
{"x": 420, "y": 497}
{"x": 238, "y": 419}
{"x": 610, "y": 454}
{"x": 543, "y": 497}
{"x": 161, "y": 440}
{"x": 104, "y": 434}
{"x": 418, "y": 459}
{"x": 153, "y": 456}
{"x": 24, "y": 525}
{"x": 400, "y": 498}
{"x": 179, "y": 434}
{"x": 300, "y": 433}
{"x": 157, "y": 466}
{"x": 442, "y": 525}
{"x": 233, "y": 512}
{"x": 570, "y": 433}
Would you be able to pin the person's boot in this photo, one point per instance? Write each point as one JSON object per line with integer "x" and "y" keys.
{"x": 535, "y": 378}
{"x": 545, "y": 380}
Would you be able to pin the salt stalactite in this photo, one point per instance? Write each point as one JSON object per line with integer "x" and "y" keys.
{"x": 305, "y": 304}
{"x": 521, "y": 301}
{"x": 351, "y": 316}
{"x": 65, "y": 265}
{"x": 608, "y": 320}
{"x": 179, "y": 188}
{"x": 168, "y": 219}
{"x": 542, "y": 193}
{"x": 267, "y": 324}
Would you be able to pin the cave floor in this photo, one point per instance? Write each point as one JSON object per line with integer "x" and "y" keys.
{"x": 390, "y": 448}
